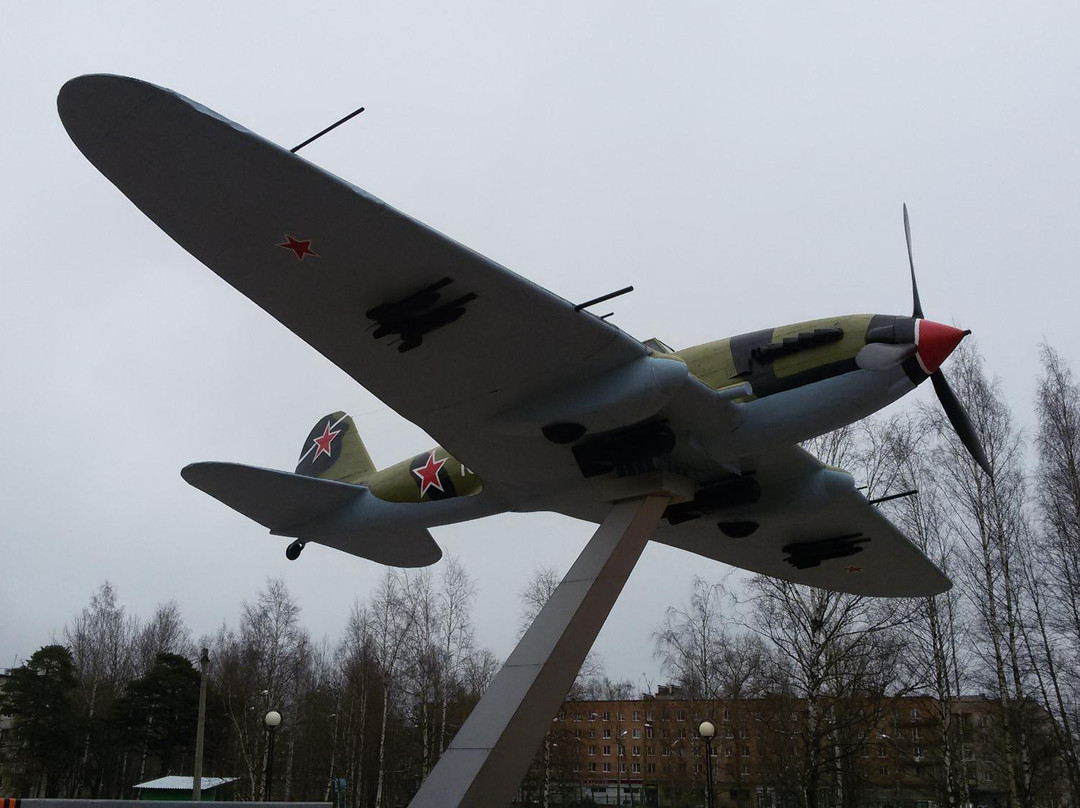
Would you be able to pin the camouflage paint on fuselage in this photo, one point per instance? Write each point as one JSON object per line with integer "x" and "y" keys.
{"x": 427, "y": 477}
{"x": 780, "y": 359}
{"x": 333, "y": 450}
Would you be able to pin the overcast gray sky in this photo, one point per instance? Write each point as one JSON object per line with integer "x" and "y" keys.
{"x": 742, "y": 165}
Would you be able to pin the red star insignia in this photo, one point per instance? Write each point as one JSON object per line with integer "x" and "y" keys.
{"x": 322, "y": 443}
{"x": 853, "y": 568}
{"x": 301, "y": 248}
{"x": 429, "y": 474}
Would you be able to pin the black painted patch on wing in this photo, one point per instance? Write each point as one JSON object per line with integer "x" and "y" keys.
{"x": 804, "y": 555}
{"x": 412, "y": 317}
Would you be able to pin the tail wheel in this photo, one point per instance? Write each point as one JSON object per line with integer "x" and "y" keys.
{"x": 292, "y": 552}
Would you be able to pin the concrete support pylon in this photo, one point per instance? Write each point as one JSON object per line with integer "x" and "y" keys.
{"x": 490, "y": 756}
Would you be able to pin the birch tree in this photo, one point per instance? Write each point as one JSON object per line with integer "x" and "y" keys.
{"x": 988, "y": 515}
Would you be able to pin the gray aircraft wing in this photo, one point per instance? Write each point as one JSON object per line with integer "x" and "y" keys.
{"x": 438, "y": 332}
{"x": 809, "y": 525}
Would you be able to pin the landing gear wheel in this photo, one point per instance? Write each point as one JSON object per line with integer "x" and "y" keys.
{"x": 292, "y": 552}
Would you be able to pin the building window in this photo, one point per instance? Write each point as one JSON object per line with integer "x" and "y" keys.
{"x": 592, "y": 749}
{"x": 622, "y": 715}
{"x": 592, "y": 767}
{"x": 917, "y": 753}
{"x": 607, "y": 749}
{"x": 680, "y": 715}
{"x": 636, "y": 715}
{"x": 744, "y": 733}
{"x": 562, "y": 715}
{"x": 651, "y": 768}
{"x": 635, "y": 751}
{"x": 577, "y": 766}
{"x": 650, "y": 750}
{"x": 882, "y": 751}
{"x": 607, "y": 767}
{"x": 648, "y": 715}
{"x": 636, "y": 768}
{"x": 746, "y": 750}
{"x": 727, "y": 751}
{"x": 915, "y": 734}
{"x": 727, "y": 714}
{"x": 606, "y": 715}
{"x": 607, "y": 732}
{"x": 577, "y": 733}
{"x": 746, "y": 768}
{"x": 592, "y": 733}
{"x": 636, "y": 733}
{"x": 622, "y": 767}
{"x": 884, "y": 771}
{"x": 592, "y": 716}
{"x": 914, "y": 713}
{"x": 648, "y": 732}
{"x": 729, "y": 732}
{"x": 576, "y": 717}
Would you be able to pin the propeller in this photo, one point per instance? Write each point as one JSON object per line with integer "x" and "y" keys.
{"x": 954, "y": 410}
{"x": 917, "y": 308}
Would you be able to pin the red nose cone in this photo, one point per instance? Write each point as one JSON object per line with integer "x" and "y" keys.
{"x": 936, "y": 342}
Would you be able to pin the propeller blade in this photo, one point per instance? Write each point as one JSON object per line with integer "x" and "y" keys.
{"x": 958, "y": 417}
{"x": 917, "y": 311}
{"x": 883, "y": 355}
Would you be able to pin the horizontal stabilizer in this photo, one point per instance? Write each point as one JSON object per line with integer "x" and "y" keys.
{"x": 328, "y": 512}
{"x": 276, "y": 500}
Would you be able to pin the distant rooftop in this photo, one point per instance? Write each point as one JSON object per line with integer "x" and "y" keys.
{"x": 175, "y": 782}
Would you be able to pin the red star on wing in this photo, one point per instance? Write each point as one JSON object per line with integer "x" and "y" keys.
{"x": 853, "y": 568}
{"x": 301, "y": 248}
{"x": 322, "y": 443}
{"x": 429, "y": 474}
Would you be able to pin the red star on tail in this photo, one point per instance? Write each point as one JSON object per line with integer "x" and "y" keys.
{"x": 429, "y": 474}
{"x": 301, "y": 248}
{"x": 322, "y": 443}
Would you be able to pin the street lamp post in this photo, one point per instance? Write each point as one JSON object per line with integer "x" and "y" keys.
{"x": 706, "y": 730}
{"x": 196, "y": 781}
{"x": 618, "y": 769}
{"x": 272, "y": 720}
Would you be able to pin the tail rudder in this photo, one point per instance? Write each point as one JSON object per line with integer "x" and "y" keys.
{"x": 333, "y": 450}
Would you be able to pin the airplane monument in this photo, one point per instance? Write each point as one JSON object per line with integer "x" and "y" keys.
{"x": 538, "y": 405}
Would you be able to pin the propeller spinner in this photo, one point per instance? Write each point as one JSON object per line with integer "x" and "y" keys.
{"x": 934, "y": 342}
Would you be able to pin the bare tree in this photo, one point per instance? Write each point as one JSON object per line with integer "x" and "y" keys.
{"x": 698, "y": 651}
{"x": 165, "y": 633}
{"x": 936, "y": 657}
{"x": 391, "y": 621}
{"x": 989, "y": 517}
{"x": 102, "y": 643}
{"x": 1053, "y": 582}
{"x": 456, "y": 634}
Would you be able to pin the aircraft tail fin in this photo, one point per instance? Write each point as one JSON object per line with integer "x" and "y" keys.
{"x": 333, "y": 450}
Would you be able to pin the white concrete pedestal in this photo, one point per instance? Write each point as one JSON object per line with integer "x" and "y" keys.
{"x": 490, "y": 756}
